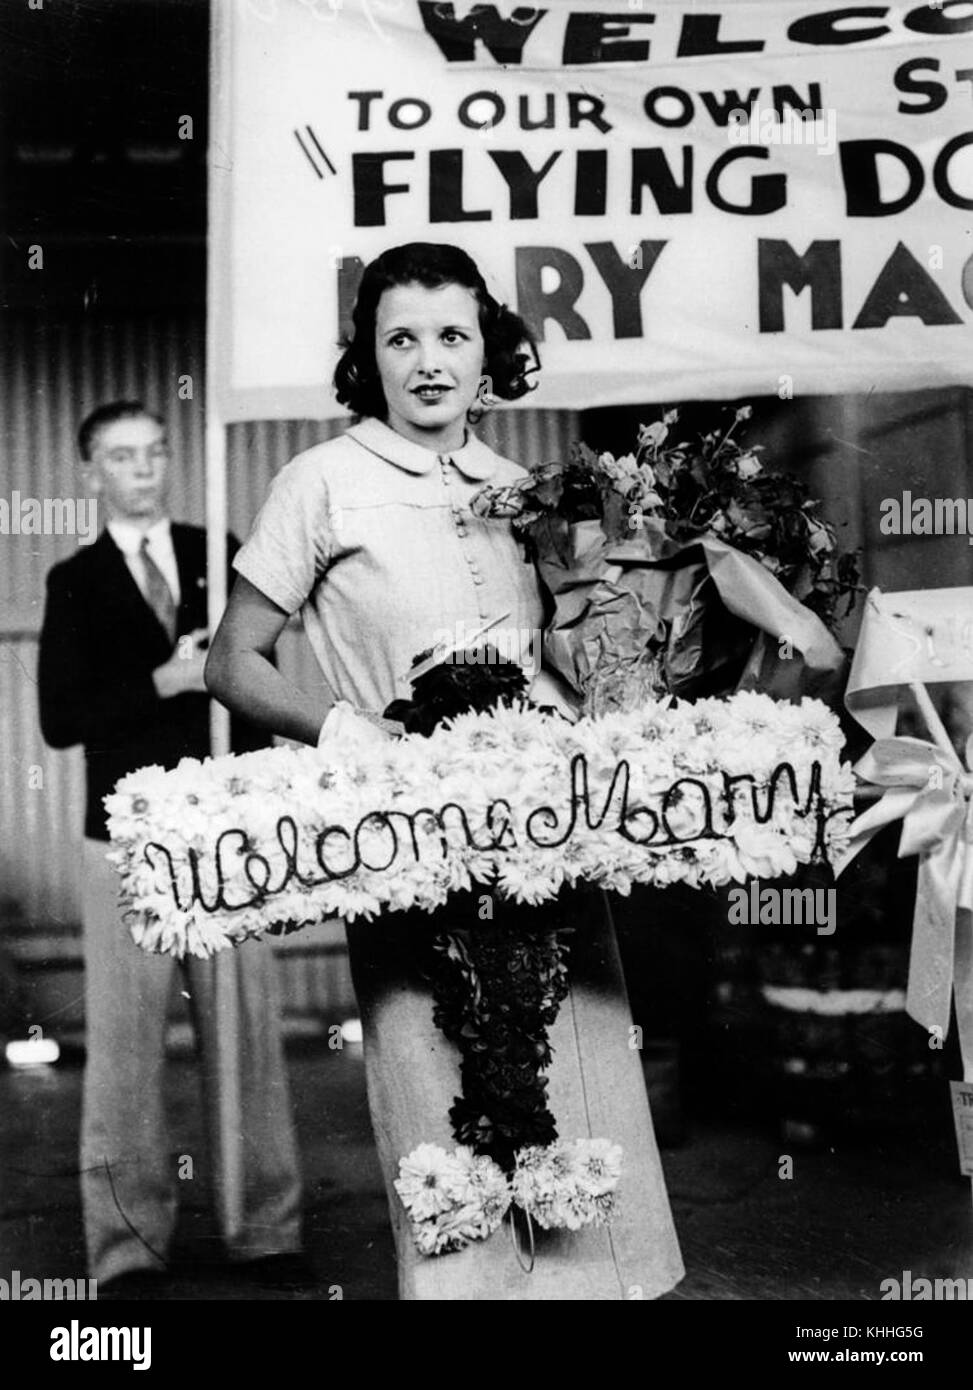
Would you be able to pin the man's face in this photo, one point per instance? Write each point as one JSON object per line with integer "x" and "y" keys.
{"x": 128, "y": 467}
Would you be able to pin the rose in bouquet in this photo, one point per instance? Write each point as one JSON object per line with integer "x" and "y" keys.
{"x": 685, "y": 569}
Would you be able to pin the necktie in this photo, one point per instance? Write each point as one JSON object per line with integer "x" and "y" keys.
{"x": 158, "y": 593}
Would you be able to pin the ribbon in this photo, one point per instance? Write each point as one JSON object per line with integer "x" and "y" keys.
{"x": 915, "y": 635}
{"x": 933, "y": 797}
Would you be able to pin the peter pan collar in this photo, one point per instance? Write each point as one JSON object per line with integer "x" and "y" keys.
{"x": 474, "y": 459}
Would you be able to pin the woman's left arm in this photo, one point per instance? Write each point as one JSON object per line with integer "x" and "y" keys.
{"x": 240, "y": 669}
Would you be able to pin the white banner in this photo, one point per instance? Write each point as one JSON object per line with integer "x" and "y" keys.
{"x": 637, "y": 181}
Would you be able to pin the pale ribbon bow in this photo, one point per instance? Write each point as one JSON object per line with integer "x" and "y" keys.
{"x": 931, "y": 794}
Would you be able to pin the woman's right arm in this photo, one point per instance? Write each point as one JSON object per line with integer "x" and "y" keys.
{"x": 240, "y": 672}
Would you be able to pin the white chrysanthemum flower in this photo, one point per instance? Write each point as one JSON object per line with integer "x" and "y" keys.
{"x": 534, "y": 1179}
{"x": 429, "y": 1181}
{"x": 763, "y": 854}
{"x": 597, "y": 1165}
{"x": 491, "y": 1186}
{"x": 428, "y": 1238}
{"x": 452, "y": 1199}
{"x": 525, "y": 882}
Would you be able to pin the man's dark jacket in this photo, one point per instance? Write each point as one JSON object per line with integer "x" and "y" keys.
{"x": 100, "y": 644}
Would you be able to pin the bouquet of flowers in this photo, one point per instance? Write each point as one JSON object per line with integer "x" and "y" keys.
{"x": 470, "y": 680}
{"x": 455, "y": 1198}
{"x": 681, "y": 569}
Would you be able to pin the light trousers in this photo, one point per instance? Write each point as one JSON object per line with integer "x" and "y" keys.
{"x": 129, "y": 1174}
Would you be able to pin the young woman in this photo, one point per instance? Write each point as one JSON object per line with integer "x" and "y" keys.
{"x": 371, "y": 538}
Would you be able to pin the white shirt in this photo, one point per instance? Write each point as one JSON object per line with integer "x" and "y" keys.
{"x": 128, "y": 537}
{"x": 371, "y": 538}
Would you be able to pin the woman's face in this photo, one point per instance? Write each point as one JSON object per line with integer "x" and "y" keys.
{"x": 429, "y": 351}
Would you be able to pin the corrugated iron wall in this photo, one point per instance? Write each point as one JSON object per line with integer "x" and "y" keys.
{"x": 41, "y": 796}
{"x": 52, "y": 376}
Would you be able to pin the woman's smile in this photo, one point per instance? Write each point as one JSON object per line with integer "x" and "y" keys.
{"x": 433, "y": 393}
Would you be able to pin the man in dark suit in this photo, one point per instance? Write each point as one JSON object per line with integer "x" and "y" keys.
{"x": 121, "y": 671}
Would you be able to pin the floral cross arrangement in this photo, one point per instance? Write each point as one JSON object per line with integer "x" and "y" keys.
{"x": 510, "y": 798}
{"x": 657, "y": 563}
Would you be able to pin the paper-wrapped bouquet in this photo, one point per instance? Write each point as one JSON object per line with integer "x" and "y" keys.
{"x": 683, "y": 569}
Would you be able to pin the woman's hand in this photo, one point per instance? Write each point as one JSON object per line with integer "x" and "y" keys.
{"x": 356, "y": 728}
{"x": 550, "y": 691}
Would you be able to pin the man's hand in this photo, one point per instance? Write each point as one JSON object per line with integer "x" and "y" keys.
{"x": 182, "y": 674}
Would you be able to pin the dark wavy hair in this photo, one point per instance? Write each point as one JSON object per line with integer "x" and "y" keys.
{"x": 505, "y": 334}
{"x": 108, "y": 414}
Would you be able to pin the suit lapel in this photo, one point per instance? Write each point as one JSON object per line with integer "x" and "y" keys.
{"x": 113, "y": 571}
{"x": 192, "y": 579}
{"x": 122, "y": 596}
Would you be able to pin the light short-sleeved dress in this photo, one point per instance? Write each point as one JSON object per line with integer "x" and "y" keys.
{"x": 371, "y": 538}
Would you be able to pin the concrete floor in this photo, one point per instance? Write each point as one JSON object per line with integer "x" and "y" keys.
{"x": 850, "y": 1216}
